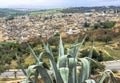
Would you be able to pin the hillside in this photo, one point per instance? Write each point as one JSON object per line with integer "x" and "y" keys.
{"x": 90, "y": 9}
{"x": 34, "y": 29}
{"x": 78, "y": 10}
{"x": 51, "y": 11}
{"x": 5, "y": 12}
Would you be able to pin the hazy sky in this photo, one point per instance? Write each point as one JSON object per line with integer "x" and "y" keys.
{"x": 55, "y": 3}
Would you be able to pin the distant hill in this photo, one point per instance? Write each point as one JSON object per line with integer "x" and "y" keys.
{"x": 78, "y": 10}
{"x": 5, "y": 12}
{"x": 89, "y": 9}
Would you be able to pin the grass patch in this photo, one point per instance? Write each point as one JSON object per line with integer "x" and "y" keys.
{"x": 114, "y": 54}
{"x": 46, "y": 12}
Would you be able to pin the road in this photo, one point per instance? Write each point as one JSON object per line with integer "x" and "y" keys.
{"x": 19, "y": 74}
{"x": 10, "y": 74}
{"x": 112, "y": 65}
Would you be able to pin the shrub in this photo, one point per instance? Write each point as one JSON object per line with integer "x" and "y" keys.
{"x": 95, "y": 69}
{"x": 105, "y": 25}
{"x": 105, "y": 39}
{"x": 86, "y": 24}
{"x": 57, "y": 34}
{"x": 9, "y": 18}
{"x": 96, "y": 55}
{"x": 2, "y": 68}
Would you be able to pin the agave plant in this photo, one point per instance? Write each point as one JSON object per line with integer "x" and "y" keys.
{"x": 66, "y": 68}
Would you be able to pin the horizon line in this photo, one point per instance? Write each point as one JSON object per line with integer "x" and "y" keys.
{"x": 55, "y": 7}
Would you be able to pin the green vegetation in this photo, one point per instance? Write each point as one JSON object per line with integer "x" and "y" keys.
{"x": 10, "y": 18}
{"x": 7, "y": 54}
{"x": 65, "y": 70}
{"x": 86, "y": 24}
{"x": 52, "y": 11}
{"x": 98, "y": 54}
{"x": 105, "y": 39}
{"x": 4, "y": 12}
{"x": 105, "y": 25}
{"x": 90, "y": 9}
{"x": 8, "y": 50}
{"x": 57, "y": 34}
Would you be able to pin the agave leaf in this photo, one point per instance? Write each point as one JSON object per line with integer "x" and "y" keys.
{"x": 70, "y": 51}
{"x": 109, "y": 80}
{"x": 33, "y": 53}
{"x": 95, "y": 62}
{"x": 36, "y": 75}
{"x": 79, "y": 44}
{"x": 92, "y": 60}
{"x": 72, "y": 70}
{"x": 30, "y": 70}
{"x": 39, "y": 64}
{"x": 74, "y": 50}
{"x": 64, "y": 72}
{"x": 62, "y": 61}
{"x": 43, "y": 72}
{"x": 48, "y": 49}
{"x": 113, "y": 77}
{"x": 55, "y": 70}
{"x": 75, "y": 75}
{"x": 76, "y": 41}
{"x": 76, "y": 45}
{"x": 79, "y": 47}
{"x": 107, "y": 73}
{"x": 85, "y": 69}
{"x": 91, "y": 50}
{"x": 45, "y": 75}
{"x": 90, "y": 81}
{"x": 40, "y": 55}
{"x": 104, "y": 75}
{"x": 72, "y": 62}
{"x": 53, "y": 64}
{"x": 61, "y": 48}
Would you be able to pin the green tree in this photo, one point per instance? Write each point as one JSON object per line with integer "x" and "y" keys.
{"x": 107, "y": 39}
{"x": 86, "y": 24}
{"x": 96, "y": 26}
{"x": 105, "y": 25}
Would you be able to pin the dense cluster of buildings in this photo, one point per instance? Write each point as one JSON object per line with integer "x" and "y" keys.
{"x": 22, "y": 28}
